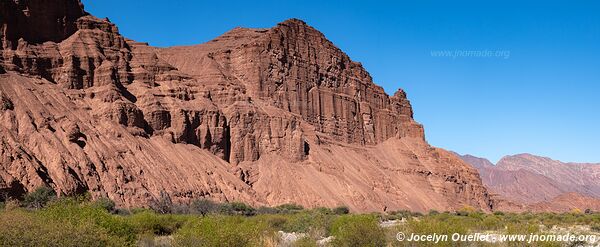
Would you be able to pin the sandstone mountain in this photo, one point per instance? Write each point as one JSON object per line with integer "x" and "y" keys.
{"x": 567, "y": 202}
{"x": 480, "y": 163}
{"x": 584, "y": 177}
{"x": 263, "y": 116}
{"x": 541, "y": 183}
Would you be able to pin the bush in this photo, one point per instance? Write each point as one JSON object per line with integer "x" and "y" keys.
{"x": 163, "y": 204}
{"x": 289, "y": 208}
{"x": 64, "y": 222}
{"x": 357, "y": 230}
{"x": 521, "y": 228}
{"x": 341, "y": 210}
{"x": 223, "y": 231}
{"x": 181, "y": 209}
{"x": 236, "y": 208}
{"x": 417, "y": 214}
{"x": 323, "y": 210}
{"x": 275, "y": 222}
{"x": 491, "y": 222}
{"x": 309, "y": 222}
{"x": 39, "y": 197}
{"x": 400, "y": 214}
{"x": 148, "y": 222}
{"x": 106, "y": 204}
{"x": 74, "y": 212}
{"x": 267, "y": 210}
{"x": 20, "y": 228}
{"x": 204, "y": 207}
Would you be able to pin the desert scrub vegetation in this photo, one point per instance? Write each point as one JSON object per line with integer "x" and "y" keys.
{"x": 20, "y": 228}
{"x": 226, "y": 231}
{"x": 39, "y": 197}
{"x": 63, "y": 222}
{"x": 358, "y": 230}
{"x": 43, "y": 219}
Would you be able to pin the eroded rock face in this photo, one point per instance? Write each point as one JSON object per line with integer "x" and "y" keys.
{"x": 265, "y": 116}
{"x": 38, "y": 21}
{"x": 293, "y": 67}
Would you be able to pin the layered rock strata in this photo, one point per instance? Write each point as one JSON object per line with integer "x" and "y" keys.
{"x": 264, "y": 116}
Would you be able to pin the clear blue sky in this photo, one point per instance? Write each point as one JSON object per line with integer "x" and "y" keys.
{"x": 543, "y": 99}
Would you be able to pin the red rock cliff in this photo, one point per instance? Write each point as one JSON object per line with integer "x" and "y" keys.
{"x": 265, "y": 116}
{"x": 295, "y": 68}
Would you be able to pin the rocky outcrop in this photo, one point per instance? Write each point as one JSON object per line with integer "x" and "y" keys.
{"x": 265, "y": 116}
{"x": 293, "y": 67}
{"x": 38, "y": 21}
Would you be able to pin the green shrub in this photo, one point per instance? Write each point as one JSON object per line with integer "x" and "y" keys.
{"x": 301, "y": 222}
{"x": 74, "y": 212}
{"x": 520, "y": 228}
{"x": 322, "y": 210}
{"x": 289, "y": 208}
{"x": 357, "y": 230}
{"x": 267, "y": 210}
{"x": 158, "y": 224}
{"x": 400, "y": 214}
{"x": 491, "y": 222}
{"x": 21, "y": 228}
{"x": 39, "y": 197}
{"x": 462, "y": 213}
{"x": 236, "y": 208}
{"x": 275, "y": 222}
{"x": 417, "y": 214}
{"x": 106, "y": 204}
{"x": 341, "y": 210}
{"x": 309, "y": 221}
{"x": 223, "y": 231}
